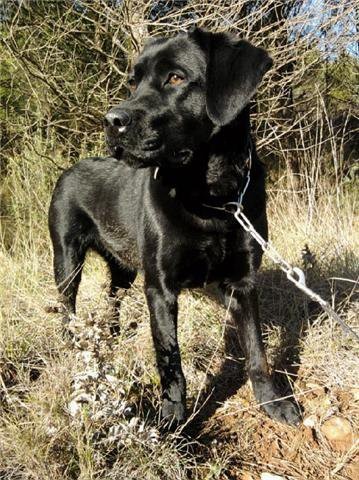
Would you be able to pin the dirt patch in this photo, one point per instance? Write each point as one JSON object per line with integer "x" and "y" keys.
{"x": 257, "y": 444}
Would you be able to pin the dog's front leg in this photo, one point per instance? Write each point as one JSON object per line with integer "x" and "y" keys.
{"x": 163, "y": 308}
{"x": 243, "y": 305}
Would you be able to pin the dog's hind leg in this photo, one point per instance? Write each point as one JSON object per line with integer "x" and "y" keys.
{"x": 68, "y": 264}
{"x": 122, "y": 278}
{"x": 71, "y": 236}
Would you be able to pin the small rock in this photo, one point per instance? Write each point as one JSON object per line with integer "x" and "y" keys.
{"x": 310, "y": 421}
{"x": 271, "y": 476}
{"x": 336, "y": 428}
{"x": 338, "y": 432}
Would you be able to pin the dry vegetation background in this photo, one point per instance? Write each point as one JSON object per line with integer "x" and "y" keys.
{"x": 62, "y": 64}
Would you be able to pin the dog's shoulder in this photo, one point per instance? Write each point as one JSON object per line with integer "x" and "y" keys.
{"x": 91, "y": 168}
{"x": 95, "y": 163}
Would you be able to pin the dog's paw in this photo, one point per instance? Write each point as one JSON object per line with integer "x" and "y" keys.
{"x": 283, "y": 411}
{"x": 172, "y": 413}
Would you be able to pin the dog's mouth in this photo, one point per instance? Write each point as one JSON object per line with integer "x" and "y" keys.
{"x": 161, "y": 157}
{"x": 153, "y": 153}
{"x": 150, "y": 151}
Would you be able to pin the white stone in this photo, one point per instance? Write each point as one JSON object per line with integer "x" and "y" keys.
{"x": 310, "y": 421}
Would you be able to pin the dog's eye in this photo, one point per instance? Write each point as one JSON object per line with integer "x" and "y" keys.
{"x": 132, "y": 84}
{"x": 174, "y": 79}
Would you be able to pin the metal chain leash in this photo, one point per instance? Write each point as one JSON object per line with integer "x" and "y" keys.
{"x": 294, "y": 274}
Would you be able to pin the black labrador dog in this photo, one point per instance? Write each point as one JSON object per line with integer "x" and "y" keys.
{"x": 181, "y": 149}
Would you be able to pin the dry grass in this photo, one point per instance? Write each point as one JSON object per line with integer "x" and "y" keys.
{"x": 40, "y": 440}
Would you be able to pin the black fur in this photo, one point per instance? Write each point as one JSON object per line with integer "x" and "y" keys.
{"x": 198, "y": 133}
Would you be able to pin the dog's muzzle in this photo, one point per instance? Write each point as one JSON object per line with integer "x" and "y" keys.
{"x": 149, "y": 151}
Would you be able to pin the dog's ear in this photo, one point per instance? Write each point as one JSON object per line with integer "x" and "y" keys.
{"x": 234, "y": 70}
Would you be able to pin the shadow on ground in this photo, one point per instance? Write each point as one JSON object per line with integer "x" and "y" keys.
{"x": 286, "y": 311}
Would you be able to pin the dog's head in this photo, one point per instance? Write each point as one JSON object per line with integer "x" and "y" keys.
{"x": 182, "y": 89}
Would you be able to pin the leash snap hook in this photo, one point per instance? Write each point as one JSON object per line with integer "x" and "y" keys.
{"x": 233, "y": 207}
{"x": 300, "y": 280}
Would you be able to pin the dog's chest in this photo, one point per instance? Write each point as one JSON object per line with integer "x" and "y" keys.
{"x": 208, "y": 259}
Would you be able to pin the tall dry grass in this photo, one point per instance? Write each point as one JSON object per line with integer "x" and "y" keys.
{"x": 40, "y": 440}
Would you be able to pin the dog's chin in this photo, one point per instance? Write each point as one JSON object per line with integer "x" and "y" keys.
{"x": 160, "y": 157}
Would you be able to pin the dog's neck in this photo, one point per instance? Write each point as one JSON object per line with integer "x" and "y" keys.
{"x": 231, "y": 138}
{"x": 217, "y": 168}
{"x": 226, "y": 156}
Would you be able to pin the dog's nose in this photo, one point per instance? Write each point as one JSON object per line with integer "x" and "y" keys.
{"x": 117, "y": 117}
